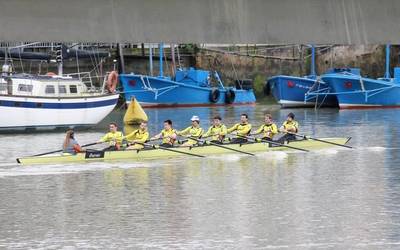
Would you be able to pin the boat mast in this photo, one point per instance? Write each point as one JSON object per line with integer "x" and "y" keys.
{"x": 161, "y": 47}
{"x": 173, "y": 59}
{"x": 121, "y": 65}
{"x": 387, "y": 73}
{"x": 312, "y": 60}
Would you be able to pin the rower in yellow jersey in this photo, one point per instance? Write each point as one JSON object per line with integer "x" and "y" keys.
{"x": 217, "y": 131}
{"x": 114, "y": 138}
{"x": 138, "y": 137}
{"x": 288, "y": 127}
{"x": 194, "y": 131}
{"x": 168, "y": 135}
{"x": 268, "y": 129}
{"x": 241, "y": 129}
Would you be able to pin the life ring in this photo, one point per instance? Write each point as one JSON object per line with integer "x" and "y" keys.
{"x": 112, "y": 81}
{"x": 214, "y": 95}
{"x": 230, "y": 96}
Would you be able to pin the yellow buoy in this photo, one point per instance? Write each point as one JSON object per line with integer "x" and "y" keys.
{"x": 135, "y": 113}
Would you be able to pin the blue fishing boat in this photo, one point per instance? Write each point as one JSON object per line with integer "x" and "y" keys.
{"x": 189, "y": 87}
{"x": 354, "y": 91}
{"x": 290, "y": 91}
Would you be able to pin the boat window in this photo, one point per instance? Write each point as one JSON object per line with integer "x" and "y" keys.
{"x": 3, "y": 86}
{"x": 73, "y": 89}
{"x": 62, "y": 89}
{"x": 50, "y": 89}
{"x": 25, "y": 88}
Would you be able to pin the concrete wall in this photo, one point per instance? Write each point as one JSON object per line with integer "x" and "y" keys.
{"x": 295, "y": 60}
{"x": 212, "y": 21}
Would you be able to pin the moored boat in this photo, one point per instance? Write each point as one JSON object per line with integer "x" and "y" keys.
{"x": 291, "y": 91}
{"x": 139, "y": 155}
{"x": 356, "y": 92}
{"x": 33, "y": 102}
{"x": 187, "y": 88}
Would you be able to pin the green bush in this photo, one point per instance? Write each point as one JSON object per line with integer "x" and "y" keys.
{"x": 259, "y": 82}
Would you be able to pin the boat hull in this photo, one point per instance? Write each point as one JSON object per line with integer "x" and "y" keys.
{"x": 163, "y": 92}
{"x": 40, "y": 113}
{"x": 355, "y": 92}
{"x": 290, "y": 91}
{"x": 140, "y": 155}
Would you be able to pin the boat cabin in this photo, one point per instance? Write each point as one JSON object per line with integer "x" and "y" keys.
{"x": 42, "y": 86}
{"x": 193, "y": 76}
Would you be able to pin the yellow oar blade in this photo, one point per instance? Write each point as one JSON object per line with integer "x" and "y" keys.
{"x": 135, "y": 113}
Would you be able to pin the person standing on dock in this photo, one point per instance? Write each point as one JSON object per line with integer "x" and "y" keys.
{"x": 168, "y": 135}
{"x": 242, "y": 129}
{"x": 114, "y": 138}
{"x": 138, "y": 137}
{"x": 268, "y": 129}
{"x": 194, "y": 131}
{"x": 217, "y": 131}
{"x": 70, "y": 145}
{"x": 289, "y": 128}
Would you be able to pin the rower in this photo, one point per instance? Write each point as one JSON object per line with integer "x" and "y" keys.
{"x": 138, "y": 137}
{"x": 268, "y": 129}
{"x": 194, "y": 131}
{"x": 70, "y": 145}
{"x": 288, "y": 127}
{"x": 168, "y": 135}
{"x": 242, "y": 129}
{"x": 114, "y": 138}
{"x": 217, "y": 131}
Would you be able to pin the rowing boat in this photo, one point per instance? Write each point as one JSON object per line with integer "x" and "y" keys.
{"x": 138, "y": 155}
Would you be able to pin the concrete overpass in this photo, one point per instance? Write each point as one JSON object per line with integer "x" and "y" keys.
{"x": 200, "y": 21}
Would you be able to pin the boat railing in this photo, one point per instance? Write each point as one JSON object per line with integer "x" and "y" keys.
{"x": 148, "y": 88}
{"x": 87, "y": 79}
{"x": 368, "y": 93}
{"x": 315, "y": 91}
{"x": 157, "y": 91}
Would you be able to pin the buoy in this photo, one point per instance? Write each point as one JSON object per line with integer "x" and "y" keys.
{"x": 134, "y": 113}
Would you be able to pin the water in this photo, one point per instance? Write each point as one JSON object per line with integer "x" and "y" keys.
{"x": 327, "y": 199}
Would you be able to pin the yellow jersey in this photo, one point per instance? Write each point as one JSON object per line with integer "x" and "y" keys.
{"x": 268, "y": 130}
{"x": 138, "y": 135}
{"x": 291, "y": 125}
{"x": 217, "y": 133}
{"x": 165, "y": 136}
{"x": 192, "y": 132}
{"x": 241, "y": 129}
{"x": 114, "y": 138}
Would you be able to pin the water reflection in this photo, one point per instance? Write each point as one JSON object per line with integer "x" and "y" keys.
{"x": 334, "y": 198}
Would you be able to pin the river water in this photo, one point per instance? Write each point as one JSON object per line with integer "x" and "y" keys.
{"x": 328, "y": 199}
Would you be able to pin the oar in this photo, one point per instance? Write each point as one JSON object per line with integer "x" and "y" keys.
{"x": 168, "y": 149}
{"x": 275, "y": 143}
{"x": 222, "y": 146}
{"x": 60, "y": 150}
{"x": 316, "y": 139}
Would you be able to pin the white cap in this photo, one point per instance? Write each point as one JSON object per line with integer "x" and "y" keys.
{"x": 195, "y": 118}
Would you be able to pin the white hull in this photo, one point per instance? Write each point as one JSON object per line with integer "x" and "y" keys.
{"x": 19, "y": 113}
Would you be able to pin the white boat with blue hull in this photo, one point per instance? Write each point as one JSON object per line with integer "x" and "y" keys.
{"x": 29, "y": 102}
